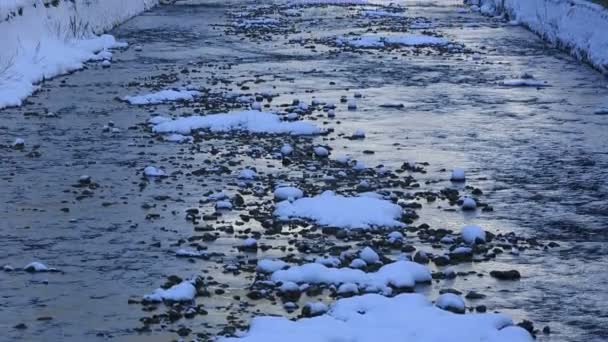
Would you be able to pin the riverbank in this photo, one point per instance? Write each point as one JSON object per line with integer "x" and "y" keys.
{"x": 577, "y": 26}
{"x": 42, "y": 39}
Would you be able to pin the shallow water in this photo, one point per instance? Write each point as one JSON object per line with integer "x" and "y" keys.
{"x": 536, "y": 153}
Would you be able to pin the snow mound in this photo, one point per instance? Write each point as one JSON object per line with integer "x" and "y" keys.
{"x": 329, "y": 209}
{"x": 288, "y": 193}
{"x": 400, "y": 274}
{"x": 182, "y": 292}
{"x": 169, "y": 95}
{"x": 248, "y": 121}
{"x": 270, "y": 265}
{"x": 372, "y": 318}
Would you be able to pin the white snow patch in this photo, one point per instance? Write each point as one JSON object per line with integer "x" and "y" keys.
{"x": 182, "y": 292}
{"x": 288, "y": 193}
{"x": 329, "y": 209}
{"x": 471, "y": 233}
{"x": 372, "y": 317}
{"x": 249, "y": 121}
{"x": 168, "y": 95}
{"x": 400, "y": 274}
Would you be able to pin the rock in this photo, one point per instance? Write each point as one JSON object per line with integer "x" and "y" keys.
{"x": 474, "y": 295}
{"x": 506, "y": 275}
{"x": 421, "y": 257}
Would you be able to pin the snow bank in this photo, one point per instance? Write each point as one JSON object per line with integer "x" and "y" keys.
{"x": 40, "y": 42}
{"x": 575, "y": 25}
{"x": 400, "y": 274}
{"x": 329, "y": 209}
{"x": 249, "y": 121}
{"x": 371, "y": 318}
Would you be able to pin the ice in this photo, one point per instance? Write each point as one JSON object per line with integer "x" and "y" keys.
{"x": 372, "y": 318}
{"x": 288, "y": 193}
{"x": 182, "y": 292}
{"x": 249, "y": 121}
{"x": 329, "y": 209}
{"x": 169, "y": 95}
{"x": 472, "y": 233}
{"x": 399, "y": 274}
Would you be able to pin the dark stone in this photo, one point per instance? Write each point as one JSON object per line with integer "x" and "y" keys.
{"x": 506, "y": 275}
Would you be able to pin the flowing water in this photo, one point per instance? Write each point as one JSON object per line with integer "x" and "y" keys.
{"x": 537, "y": 153}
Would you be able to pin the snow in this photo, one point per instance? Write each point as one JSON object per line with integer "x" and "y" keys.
{"x": 288, "y": 193}
{"x": 395, "y": 236}
{"x": 286, "y": 149}
{"x": 468, "y": 203}
{"x": 328, "y": 261}
{"x": 369, "y": 256}
{"x": 19, "y": 142}
{"x": 168, "y": 95}
{"x": 39, "y": 44}
{"x": 270, "y": 265}
{"x": 321, "y": 151}
{"x": 152, "y": 171}
{"x": 182, "y": 292}
{"x": 381, "y": 13}
{"x": 371, "y": 318}
{"x": 247, "y": 174}
{"x": 317, "y": 308}
{"x": 359, "y": 134}
{"x": 249, "y": 121}
{"x": 357, "y": 263}
{"x": 576, "y": 25}
{"x": 458, "y": 175}
{"x": 471, "y": 233}
{"x": 188, "y": 253}
{"x": 450, "y": 302}
{"x": 329, "y": 209}
{"x": 36, "y": 267}
{"x": 223, "y": 205}
{"x": 379, "y": 41}
{"x": 400, "y": 274}
{"x": 177, "y": 138}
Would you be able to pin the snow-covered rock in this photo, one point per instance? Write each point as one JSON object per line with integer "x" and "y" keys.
{"x": 369, "y": 255}
{"x": 286, "y": 149}
{"x": 321, "y": 151}
{"x": 182, "y": 292}
{"x": 472, "y": 233}
{"x": 152, "y": 171}
{"x": 400, "y": 274}
{"x": 248, "y": 174}
{"x": 458, "y": 175}
{"x": 468, "y": 203}
{"x": 288, "y": 193}
{"x": 451, "y": 302}
{"x": 36, "y": 267}
{"x": 270, "y": 265}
